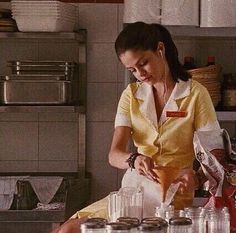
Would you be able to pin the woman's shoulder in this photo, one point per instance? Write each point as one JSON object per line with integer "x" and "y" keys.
{"x": 197, "y": 86}
{"x": 132, "y": 87}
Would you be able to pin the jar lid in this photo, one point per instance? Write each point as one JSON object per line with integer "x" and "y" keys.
{"x": 134, "y": 222}
{"x": 97, "y": 219}
{"x": 149, "y": 227}
{"x": 117, "y": 226}
{"x": 180, "y": 221}
{"x": 159, "y": 220}
{"x": 92, "y": 225}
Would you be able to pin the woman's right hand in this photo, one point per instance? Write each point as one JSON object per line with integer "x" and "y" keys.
{"x": 144, "y": 165}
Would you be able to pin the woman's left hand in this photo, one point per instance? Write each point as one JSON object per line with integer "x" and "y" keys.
{"x": 188, "y": 180}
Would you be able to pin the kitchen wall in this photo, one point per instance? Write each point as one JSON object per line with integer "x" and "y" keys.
{"x": 105, "y": 82}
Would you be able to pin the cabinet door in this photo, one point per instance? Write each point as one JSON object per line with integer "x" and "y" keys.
{"x": 18, "y": 146}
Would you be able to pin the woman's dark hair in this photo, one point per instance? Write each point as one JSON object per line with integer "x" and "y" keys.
{"x": 142, "y": 36}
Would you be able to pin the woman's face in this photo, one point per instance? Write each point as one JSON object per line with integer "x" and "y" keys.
{"x": 145, "y": 65}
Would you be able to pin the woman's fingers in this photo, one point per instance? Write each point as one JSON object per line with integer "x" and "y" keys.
{"x": 144, "y": 166}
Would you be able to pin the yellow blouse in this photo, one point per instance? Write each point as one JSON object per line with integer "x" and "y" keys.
{"x": 169, "y": 141}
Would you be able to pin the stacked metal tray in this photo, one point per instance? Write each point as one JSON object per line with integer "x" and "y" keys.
{"x": 39, "y": 82}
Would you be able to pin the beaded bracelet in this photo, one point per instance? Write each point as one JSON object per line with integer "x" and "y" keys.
{"x": 131, "y": 159}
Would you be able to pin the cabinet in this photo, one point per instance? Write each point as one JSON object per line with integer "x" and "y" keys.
{"x": 37, "y": 138}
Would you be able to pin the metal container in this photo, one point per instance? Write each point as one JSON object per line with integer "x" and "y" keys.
{"x": 30, "y": 67}
{"x": 35, "y": 91}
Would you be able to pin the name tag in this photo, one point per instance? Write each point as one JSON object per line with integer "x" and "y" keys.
{"x": 176, "y": 113}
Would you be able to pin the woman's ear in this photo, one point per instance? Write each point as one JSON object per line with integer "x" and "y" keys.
{"x": 161, "y": 49}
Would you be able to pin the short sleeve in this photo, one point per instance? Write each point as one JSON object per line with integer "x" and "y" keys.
{"x": 123, "y": 109}
{"x": 205, "y": 115}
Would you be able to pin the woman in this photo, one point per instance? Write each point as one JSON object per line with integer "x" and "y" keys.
{"x": 160, "y": 113}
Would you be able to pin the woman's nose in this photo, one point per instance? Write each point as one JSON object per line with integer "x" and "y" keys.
{"x": 142, "y": 73}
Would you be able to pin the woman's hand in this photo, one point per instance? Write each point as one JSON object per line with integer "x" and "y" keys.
{"x": 144, "y": 165}
{"x": 188, "y": 180}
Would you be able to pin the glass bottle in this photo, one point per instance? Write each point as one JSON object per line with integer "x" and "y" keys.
{"x": 189, "y": 63}
{"x": 211, "y": 60}
{"x": 229, "y": 92}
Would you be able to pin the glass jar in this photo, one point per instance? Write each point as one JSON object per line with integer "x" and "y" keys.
{"x": 218, "y": 220}
{"x": 197, "y": 215}
{"x": 180, "y": 225}
{"x": 92, "y": 227}
{"x": 117, "y": 227}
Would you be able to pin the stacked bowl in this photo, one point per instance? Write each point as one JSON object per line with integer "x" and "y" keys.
{"x": 43, "y": 15}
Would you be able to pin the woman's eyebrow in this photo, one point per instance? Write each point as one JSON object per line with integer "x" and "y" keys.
{"x": 136, "y": 62}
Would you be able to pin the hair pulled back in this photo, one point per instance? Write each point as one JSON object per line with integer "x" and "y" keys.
{"x": 142, "y": 36}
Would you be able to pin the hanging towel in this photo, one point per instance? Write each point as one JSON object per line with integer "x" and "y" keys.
{"x": 7, "y": 190}
{"x": 45, "y": 187}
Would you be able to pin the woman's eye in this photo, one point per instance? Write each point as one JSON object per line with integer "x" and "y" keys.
{"x": 132, "y": 71}
{"x": 143, "y": 63}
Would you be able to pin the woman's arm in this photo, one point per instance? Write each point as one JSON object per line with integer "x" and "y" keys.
{"x": 119, "y": 154}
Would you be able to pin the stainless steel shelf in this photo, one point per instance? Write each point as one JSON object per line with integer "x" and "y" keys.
{"x": 79, "y": 36}
{"x": 44, "y": 108}
{"x": 191, "y": 31}
{"x": 226, "y": 115}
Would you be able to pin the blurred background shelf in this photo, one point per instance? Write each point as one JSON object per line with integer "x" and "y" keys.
{"x": 45, "y": 108}
{"x": 226, "y": 115}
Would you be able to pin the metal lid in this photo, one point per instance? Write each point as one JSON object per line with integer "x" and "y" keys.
{"x": 134, "y": 222}
{"x": 156, "y": 220}
{"x": 149, "y": 227}
{"x": 180, "y": 221}
{"x": 97, "y": 219}
{"x": 92, "y": 225}
{"x": 117, "y": 226}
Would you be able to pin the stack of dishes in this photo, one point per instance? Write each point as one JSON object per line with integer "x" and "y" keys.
{"x": 7, "y": 24}
{"x": 209, "y": 77}
{"x": 43, "y": 15}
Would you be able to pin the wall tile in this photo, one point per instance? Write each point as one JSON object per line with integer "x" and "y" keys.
{"x": 43, "y": 116}
{"x": 19, "y": 166}
{"x": 100, "y": 20}
{"x": 121, "y": 72}
{"x": 59, "y": 51}
{"x": 58, "y": 141}
{"x": 19, "y": 140}
{"x": 104, "y": 179}
{"x": 99, "y": 137}
{"x": 18, "y": 116}
{"x": 101, "y": 101}
{"x": 230, "y": 127}
{"x": 120, "y": 17}
{"x": 102, "y": 62}
{"x": 22, "y": 50}
{"x": 58, "y": 166}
